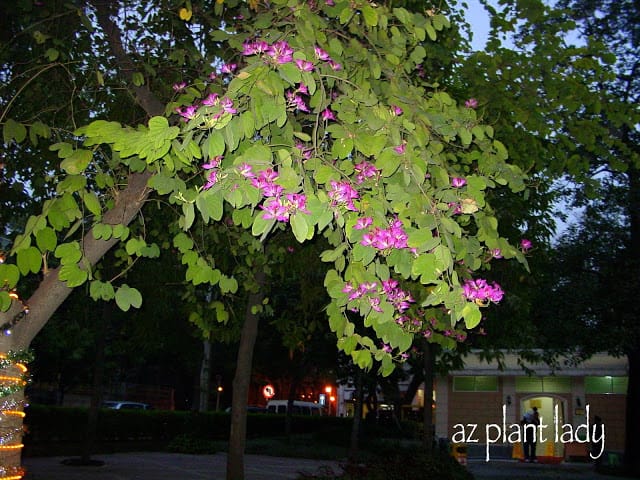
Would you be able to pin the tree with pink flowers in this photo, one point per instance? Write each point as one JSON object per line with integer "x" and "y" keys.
{"x": 325, "y": 122}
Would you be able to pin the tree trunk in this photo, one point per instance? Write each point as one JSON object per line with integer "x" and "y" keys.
{"x": 241, "y": 381}
{"x": 632, "y": 442}
{"x": 354, "y": 444}
{"x": 98, "y": 381}
{"x": 11, "y": 403}
{"x": 51, "y": 292}
{"x": 205, "y": 377}
{"x": 288, "y": 419}
{"x": 429, "y": 362}
{"x": 632, "y": 425}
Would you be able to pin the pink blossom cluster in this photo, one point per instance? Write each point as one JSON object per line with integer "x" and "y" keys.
{"x": 276, "y": 205}
{"x": 342, "y": 193}
{"x": 400, "y": 299}
{"x": 364, "y": 171}
{"x": 479, "y": 290}
{"x": 397, "y": 297}
{"x": 385, "y": 238}
{"x": 281, "y": 52}
{"x": 365, "y": 289}
{"x": 212, "y": 100}
{"x": 295, "y": 101}
{"x": 212, "y": 167}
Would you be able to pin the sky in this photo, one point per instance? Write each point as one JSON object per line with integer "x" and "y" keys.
{"x": 479, "y": 20}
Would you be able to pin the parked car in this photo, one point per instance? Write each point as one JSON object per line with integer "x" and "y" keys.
{"x": 125, "y": 405}
{"x": 299, "y": 407}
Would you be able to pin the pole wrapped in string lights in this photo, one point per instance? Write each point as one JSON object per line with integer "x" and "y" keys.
{"x": 13, "y": 379}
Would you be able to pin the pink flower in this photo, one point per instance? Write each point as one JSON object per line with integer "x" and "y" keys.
{"x": 253, "y": 48}
{"x": 179, "y": 86}
{"x": 471, "y": 103}
{"x": 327, "y": 114}
{"x": 363, "y": 222}
{"x": 212, "y": 179}
{"x": 211, "y": 100}
{"x": 246, "y": 170}
{"x": 321, "y": 54}
{"x": 458, "y": 182}
{"x": 228, "y": 68}
{"x": 396, "y": 110}
{"x": 525, "y": 245}
{"x": 481, "y": 292}
{"x": 496, "y": 253}
{"x": 400, "y": 149}
{"x": 213, "y": 163}
{"x": 304, "y": 65}
{"x": 274, "y": 208}
{"x": 365, "y": 170}
{"x": 187, "y": 113}
{"x": 342, "y": 193}
{"x": 296, "y": 102}
{"x": 280, "y": 52}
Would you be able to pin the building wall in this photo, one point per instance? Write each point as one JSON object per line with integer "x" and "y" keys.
{"x": 472, "y": 408}
{"x": 611, "y": 408}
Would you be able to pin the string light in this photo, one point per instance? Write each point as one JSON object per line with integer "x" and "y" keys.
{"x": 13, "y": 379}
{"x": 5, "y": 328}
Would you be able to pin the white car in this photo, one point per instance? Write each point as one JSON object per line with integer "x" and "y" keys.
{"x": 124, "y": 405}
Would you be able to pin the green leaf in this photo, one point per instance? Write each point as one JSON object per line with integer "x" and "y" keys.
{"x": 92, "y": 203}
{"x": 29, "y": 260}
{"x": 52, "y": 54}
{"x": 13, "y": 131}
{"x": 431, "y": 32}
{"x": 5, "y": 301}
{"x": 370, "y": 15}
{"x": 300, "y": 227}
{"x": 77, "y": 161}
{"x": 101, "y": 290}
{"x": 46, "y": 239}
{"x": 127, "y": 297}
{"x": 68, "y": 253}
{"x": 73, "y": 275}
{"x": 471, "y": 314}
{"x": 210, "y": 205}
{"x": 120, "y": 231}
{"x": 9, "y": 275}
{"x": 228, "y": 284}
{"x": 138, "y": 79}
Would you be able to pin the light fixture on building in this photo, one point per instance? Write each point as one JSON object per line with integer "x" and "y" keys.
{"x": 509, "y": 400}
{"x": 578, "y": 402}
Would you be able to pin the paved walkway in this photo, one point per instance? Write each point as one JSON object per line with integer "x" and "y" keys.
{"x": 171, "y": 466}
{"x": 176, "y": 466}
{"x": 515, "y": 470}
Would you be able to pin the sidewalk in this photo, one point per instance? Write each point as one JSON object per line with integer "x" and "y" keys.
{"x": 515, "y": 470}
{"x": 177, "y": 466}
{"x": 171, "y": 466}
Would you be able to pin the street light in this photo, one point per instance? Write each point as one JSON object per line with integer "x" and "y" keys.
{"x": 219, "y": 391}
{"x": 328, "y": 390}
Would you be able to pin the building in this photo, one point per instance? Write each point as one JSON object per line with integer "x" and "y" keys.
{"x": 482, "y": 405}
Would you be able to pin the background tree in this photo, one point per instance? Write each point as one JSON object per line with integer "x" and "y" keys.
{"x": 566, "y": 89}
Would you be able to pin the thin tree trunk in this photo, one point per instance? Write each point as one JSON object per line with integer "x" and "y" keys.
{"x": 241, "y": 381}
{"x": 91, "y": 430}
{"x": 354, "y": 444}
{"x": 288, "y": 422}
{"x": 429, "y": 362}
{"x": 632, "y": 424}
{"x": 205, "y": 377}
